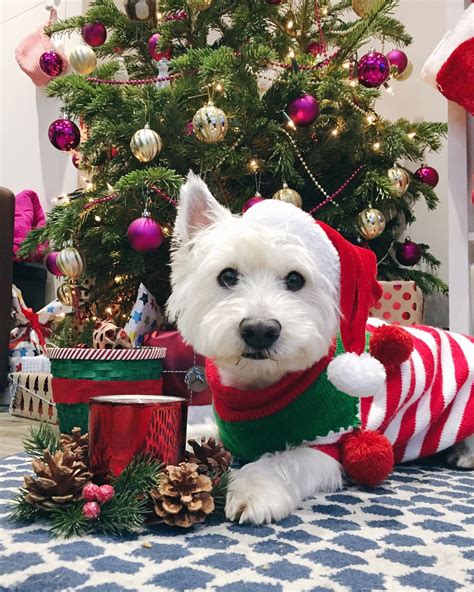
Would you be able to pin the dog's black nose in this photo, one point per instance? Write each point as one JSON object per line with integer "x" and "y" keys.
{"x": 260, "y": 334}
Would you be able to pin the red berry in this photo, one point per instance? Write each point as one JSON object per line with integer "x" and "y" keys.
{"x": 91, "y": 510}
{"x": 105, "y": 493}
{"x": 90, "y": 492}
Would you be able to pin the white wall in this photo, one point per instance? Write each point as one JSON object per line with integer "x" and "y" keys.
{"x": 27, "y": 159}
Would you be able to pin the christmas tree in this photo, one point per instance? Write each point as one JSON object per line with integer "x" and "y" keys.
{"x": 263, "y": 98}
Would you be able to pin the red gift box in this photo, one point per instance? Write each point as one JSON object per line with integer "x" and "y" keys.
{"x": 180, "y": 358}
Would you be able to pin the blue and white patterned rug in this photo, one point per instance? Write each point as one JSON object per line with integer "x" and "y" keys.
{"x": 414, "y": 533}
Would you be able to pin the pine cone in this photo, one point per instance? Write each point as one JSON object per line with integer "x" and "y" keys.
{"x": 182, "y": 496}
{"x": 76, "y": 444}
{"x": 59, "y": 479}
{"x": 210, "y": 456}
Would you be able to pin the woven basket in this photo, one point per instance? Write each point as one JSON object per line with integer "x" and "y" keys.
{"x": 135, "y": 365}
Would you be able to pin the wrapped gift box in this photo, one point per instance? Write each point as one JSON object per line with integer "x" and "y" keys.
{"x": 31, "y": 397}
{"x": 401, "y": 304}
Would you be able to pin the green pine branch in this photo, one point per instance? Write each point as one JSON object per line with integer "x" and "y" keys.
{"x": 21, "y": 510}
{"x": 68, "y": 520}
{"x": 41, "y": 438}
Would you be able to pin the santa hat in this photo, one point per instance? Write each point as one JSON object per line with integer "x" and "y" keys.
{"x": 352, "y": 271}
{"x": 450, "y": 67}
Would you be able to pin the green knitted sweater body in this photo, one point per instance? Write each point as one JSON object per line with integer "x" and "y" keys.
{"x": 302, "y": 406}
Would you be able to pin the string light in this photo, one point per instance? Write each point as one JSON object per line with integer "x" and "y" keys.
{"x": 218, "y": 87}
{"x": 290, "y": 24}
{"x": 108, "y": 310}
{"x": 353, "y": 83}
{"x": 324, "y": 10}
{"x": 411, "y": 135}
{"x": 118, "y": 279}
{"x": 253, "y": 165}
{"x": 371, "y": 119}
{"x": 346, "y": 65}
{"x": 376, "y": 146}
{"x": 334, "y": 132}
{"x": 94, "y": 318}
{"x": 97, "y": 218}
{"x": 291, "y": 54}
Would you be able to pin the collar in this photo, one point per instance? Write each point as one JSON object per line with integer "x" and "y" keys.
{"x": 232, "y": 404}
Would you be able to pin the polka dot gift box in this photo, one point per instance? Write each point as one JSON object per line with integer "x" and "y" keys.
{"x": 401, "y": 304}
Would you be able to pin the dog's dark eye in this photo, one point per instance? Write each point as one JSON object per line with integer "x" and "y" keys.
{"x": 228, "y": 277}
{"x": 294, "y": 281}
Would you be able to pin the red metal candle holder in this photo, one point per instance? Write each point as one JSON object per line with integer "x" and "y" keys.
{"x": 123, "y": 426}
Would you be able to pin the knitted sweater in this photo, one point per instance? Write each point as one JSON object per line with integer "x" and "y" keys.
{"x": 427, "y": 405}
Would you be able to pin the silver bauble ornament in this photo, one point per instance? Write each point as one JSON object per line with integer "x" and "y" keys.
{"x": 363, "y": 7}
{"x": 145, "y": 144}
{"x": 371, "y": 223}
{"x": 65, "y": 294}
{"x": 195, "y": 379}
{"x": 406, "y": 73}
{"x": 288, "y": 196}
{"x": 210, "y": 124}
{"x": 399, "y": 180}
{"x": 83, "y": 59}
{"x": 140, "y": 10}
{"x": 199, "y": 5}
{"x": 70, "y": 262}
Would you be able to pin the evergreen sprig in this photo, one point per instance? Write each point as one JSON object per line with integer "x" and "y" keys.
{"x": 41, "y": 438}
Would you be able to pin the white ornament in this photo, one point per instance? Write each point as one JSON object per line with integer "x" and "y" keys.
{"x": 121, "y": 73}
{"x": 162, "y": 66}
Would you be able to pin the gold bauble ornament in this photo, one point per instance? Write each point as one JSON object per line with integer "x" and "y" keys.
{"x": 145, "y": 144}
{"x": 83, "y": 59}
{"x": 371, "y": 223}
{"x": 405, "y": 75}
{"x": 199, "y": 5}
{"x": 363, "y": 7}
{"x": 399, "y": 180}
{"x": 140, "y": 10}
{"x": 65, "y": 294}
{"x": 289, "y": 196}
{"x": 70, "y": 262}
{"x": 210, "y": 124}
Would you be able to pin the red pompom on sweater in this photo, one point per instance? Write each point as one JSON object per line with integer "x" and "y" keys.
{"x": 367, "y": 457}
{"x": 391, "y": 345}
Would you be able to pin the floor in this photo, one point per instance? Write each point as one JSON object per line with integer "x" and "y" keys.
{"x": 12, "y": 432}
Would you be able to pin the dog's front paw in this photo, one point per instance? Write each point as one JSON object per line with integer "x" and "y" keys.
{"x": 257, "y": 498}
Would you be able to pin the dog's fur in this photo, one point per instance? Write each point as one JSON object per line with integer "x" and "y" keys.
{"x": 207, "y": 240}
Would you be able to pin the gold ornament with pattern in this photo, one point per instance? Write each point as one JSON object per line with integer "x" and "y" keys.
{"x": 371, "y": 223}
{"x": 210, "y": 124}
{"x": 199, "y": 5}
{"x": 363, "y": 7}
{"x": 405, "y": 75}
{"x": 83, "y": 59}
{"x": 70, "y": 262}
{"x": 399, "y": 180}
{"x": 65, "y": 294}
{"x": 289, "y": 196}
{"x": 146, "y": 144}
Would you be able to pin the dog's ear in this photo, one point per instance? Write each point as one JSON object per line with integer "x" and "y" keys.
{"x": 197, "y": 208}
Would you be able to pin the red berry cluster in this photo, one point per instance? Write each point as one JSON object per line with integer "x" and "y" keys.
{"x": 95, "y": 495}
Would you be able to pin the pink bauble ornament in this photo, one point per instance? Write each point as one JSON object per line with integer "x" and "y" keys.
{"x": 303, "y": 110}
{"x": 428, "y": 175}
{"x": 64, "y": 134}
{"x": 399, "y": 59}
{"x": 189, "y": 129}
{"x": 94, "y": 34}
{"x": 51, "y": 264}
{"x": 314, "y": 48}
{"x": 105, "y": 493}
{"x": 144, "y": 234}
{"x": 408, "y": 253}
{"x": 51, "y": 63}
{"x": 91, "y": 510}
{"x": 257, "y": 198}
{"x": 373, "y": 69}
{"x": 154, "y": 51}
{"x": 90, "y": 492}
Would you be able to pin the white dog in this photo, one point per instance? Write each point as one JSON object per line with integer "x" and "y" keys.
{"x": 263, "y": 296}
